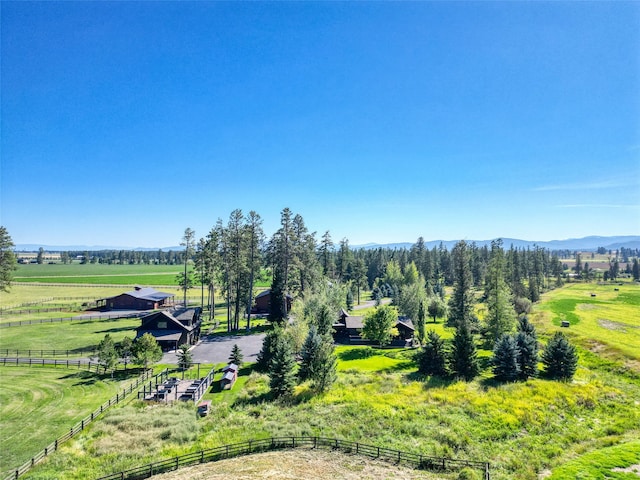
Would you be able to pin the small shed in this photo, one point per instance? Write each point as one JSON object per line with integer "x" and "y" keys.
{"x": 229, "y": 376}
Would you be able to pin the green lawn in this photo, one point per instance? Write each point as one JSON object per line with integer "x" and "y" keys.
{"x": 83, "y": 334}
{"x": 40, "y": 404}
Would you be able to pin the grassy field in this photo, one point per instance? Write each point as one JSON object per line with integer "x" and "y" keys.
{"x": 524, "y": 429}
{"x": 103, "y": 274}
{"x": 39, "y": 404}
{"x": 604, "y": 318}
{"x": 82, "y": 334}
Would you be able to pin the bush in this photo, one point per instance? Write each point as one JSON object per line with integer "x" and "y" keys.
{"x": 468, "y": 474}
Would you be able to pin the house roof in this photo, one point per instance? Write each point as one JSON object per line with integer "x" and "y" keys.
{"x": 268, "y": 292}
{"x": 231, "y": 367}
{"x": 229, "y": 375}
{"x": 172, "y": 322}
{"x": 354, "y": 322}
{"x": 146, "y": 293}
{"x": 342, "y": 313}
{"x": 407, "y": 322}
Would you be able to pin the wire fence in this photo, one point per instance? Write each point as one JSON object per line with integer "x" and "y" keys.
{"x": 422, "y": 462}
{"x": 80, "y": 426}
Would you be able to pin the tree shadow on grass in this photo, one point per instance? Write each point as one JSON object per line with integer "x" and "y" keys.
{"x": 402, "y": 366}
{"x": 114, "y": 330}
{"x": 430, "y": 381}
{"x": 357, "y": 354}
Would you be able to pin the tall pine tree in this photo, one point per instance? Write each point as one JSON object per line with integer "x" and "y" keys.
{"x": 464, "y": 356}
{"x": 505, "y": 359}
{"x": 527, "y": 341}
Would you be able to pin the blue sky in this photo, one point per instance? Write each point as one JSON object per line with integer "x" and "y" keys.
{"x": 123, "y": 123}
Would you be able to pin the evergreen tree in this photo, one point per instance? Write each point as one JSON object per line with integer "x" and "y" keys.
{"x": 505, "y": 359}
{"x": 309, "y": 354}
{"x": 7, "y": 260}
{"x": 420, "y": 323}
{"x": 501, "y": 316}
{"x": 560, "y": 358}
{"x": 464, "y": 357}
{"x": 527, "y": 342}
{"x": 265, "y": 355}
{"x": 349, "y": 300}
{"x": 432, "y": 358}
{"x": 327, "y": 365}
{"x": 277, "y": 307}
{"x": 236, "y": 355}
{"x": 462, "y": 301}
{"x": 282, "y": 378}
{"x": 635, "y": 270}
{"x": 185, "y": 357}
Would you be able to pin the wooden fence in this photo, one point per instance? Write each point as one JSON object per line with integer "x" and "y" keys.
{"x": 414, "y": 460}
{"x": 78, "y": 318}
{"x": 54, "y": 362}
{"x": 78, "y": 352}
{"x": 80, "y": 426}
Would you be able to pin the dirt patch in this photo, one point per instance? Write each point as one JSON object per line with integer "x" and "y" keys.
{"x": 611, "y": 325}
{"x": 635, "y": 469}
{"x": 297, "y": 464}
{"x": 586, "y": 306}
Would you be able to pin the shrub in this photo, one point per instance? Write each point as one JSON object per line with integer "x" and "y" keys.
{"x": 468, "y": 474}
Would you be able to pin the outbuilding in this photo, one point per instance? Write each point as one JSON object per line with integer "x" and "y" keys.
{"x": 140, "y": 298}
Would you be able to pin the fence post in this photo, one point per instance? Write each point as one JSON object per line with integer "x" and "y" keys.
{"x": 487, "y": 475}
{"x": 82, "y": 424}
{"x": 357, "y": 447}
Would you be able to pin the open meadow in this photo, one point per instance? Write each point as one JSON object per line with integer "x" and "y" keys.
{"x": 39, "y": 404}
{"x": 523, "y": 429}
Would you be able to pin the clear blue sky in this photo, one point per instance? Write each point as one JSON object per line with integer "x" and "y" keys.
{"x": 123, "y": 123}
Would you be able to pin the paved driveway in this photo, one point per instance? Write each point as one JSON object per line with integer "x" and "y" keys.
{"x": 216, "y": 349}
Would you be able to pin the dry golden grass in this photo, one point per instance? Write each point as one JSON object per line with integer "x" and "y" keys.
{"x": 301, "y": 464}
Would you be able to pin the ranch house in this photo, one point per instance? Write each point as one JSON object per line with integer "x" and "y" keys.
{"x": 172, "y": 328}
{"x": 141, "y": 298}
{"x": 349, "y": 328}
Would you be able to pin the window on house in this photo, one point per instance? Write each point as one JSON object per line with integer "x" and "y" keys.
{"x": 162, "y": 324}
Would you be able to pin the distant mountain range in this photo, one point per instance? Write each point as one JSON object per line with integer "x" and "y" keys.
{"x": 583, "y": 244}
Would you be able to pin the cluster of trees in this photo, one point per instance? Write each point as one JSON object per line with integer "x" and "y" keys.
{"x": 303, "y": 351}
{"x": 515, "y": 356}
{"x": 142, "y": 351}
{"x": 232, "y": 258}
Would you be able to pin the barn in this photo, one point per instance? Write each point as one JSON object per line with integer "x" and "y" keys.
{"x": 172, "y": 328}
{"x": 141, "y": 298}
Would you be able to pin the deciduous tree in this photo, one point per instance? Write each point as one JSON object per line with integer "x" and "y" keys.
{"x": 378, "y": 324}
{"x": 146, "y": 350}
